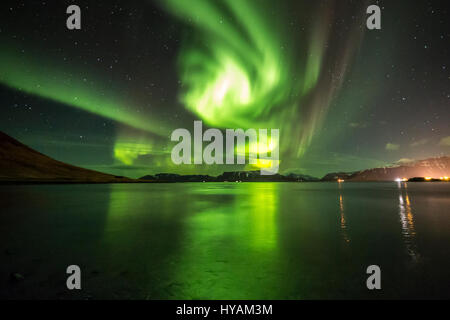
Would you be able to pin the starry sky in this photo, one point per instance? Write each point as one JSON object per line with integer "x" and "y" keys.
{"x": 344, "y": 98}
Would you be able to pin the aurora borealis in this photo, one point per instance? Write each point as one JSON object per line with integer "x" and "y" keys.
{"x": 108, "y": 96}
{"x": 32, "y": 77}
{"x": 242, "y": 74}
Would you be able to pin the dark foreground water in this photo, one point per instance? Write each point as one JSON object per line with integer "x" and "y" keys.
{"x": 226, "y": 240}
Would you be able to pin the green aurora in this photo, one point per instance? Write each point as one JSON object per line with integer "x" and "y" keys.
{"x": 44, "y": 79}
{"x": 244, "y": 74}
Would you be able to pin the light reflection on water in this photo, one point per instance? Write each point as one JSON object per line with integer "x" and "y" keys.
{"x": 343, "y": 222}
{"x": 226, "y": 244}
{"x": 407, "y": 221}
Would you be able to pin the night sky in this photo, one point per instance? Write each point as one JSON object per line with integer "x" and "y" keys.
{"x": 108, "y": 96}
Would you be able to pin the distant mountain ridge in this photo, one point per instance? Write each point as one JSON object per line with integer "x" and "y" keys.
{"x": 232, "y": 176}
{"x": 432, "y": 167}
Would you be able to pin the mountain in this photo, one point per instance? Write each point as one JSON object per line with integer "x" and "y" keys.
{"x": 249, "y": 176}
{"x": 433, "y": 167}
{"x": 232, "y": 176}
{"x": 255, "y": 176}
{"x": 172, "y": 177}
{"x": 19, "y": 163}
{"x": 301, "y": 177}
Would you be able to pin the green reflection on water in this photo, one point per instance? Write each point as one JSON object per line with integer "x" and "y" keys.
{"x": 196, "y": 243}
{"x": 226, "y": 243}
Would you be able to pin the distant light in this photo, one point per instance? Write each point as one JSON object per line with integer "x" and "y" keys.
{"x": 340, "y": 180}
{"x": 428, "y": 178}
{"x": 398, "y": 180}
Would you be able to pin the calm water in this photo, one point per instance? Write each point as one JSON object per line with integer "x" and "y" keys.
{"x": 226, "y": 241}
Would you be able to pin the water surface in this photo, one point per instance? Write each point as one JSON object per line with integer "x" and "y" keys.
{"x": 226, "y": 240}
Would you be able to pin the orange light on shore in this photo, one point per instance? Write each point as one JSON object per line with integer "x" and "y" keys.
{"x": 444, "y": 178}
{"x": 428, "y": 178}
{"x": 340, "y": 180}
